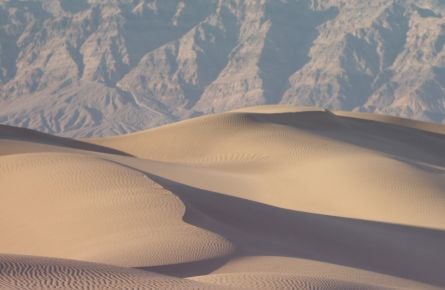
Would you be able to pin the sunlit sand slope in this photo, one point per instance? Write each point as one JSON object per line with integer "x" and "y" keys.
{"x": 308, "y": 160}
{"x": 267, "y": 197}
{"x": 25, "y": 272}
{"x": 83, "y": 207}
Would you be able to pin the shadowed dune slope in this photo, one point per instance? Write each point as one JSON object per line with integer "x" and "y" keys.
{"x": 21, "y": 140}
{"x": 302, "y": 159}
{"x": 266, "y": 197}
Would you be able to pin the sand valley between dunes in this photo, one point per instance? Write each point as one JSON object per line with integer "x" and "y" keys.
{"x": 270, "y": 197}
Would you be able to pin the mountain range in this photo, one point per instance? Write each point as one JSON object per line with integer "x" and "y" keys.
{"x": 105, "y": 67}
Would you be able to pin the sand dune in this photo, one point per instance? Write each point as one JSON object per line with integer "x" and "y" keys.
{"x": 267, "y": 197}
{"x": 87, "y": 208}
{"x": 25, "y": 272}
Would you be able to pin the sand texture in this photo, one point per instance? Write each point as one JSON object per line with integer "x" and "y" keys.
{"x": 271, "y": 197}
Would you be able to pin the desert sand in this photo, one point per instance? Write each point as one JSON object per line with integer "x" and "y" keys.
{"x": 271, "y": 197}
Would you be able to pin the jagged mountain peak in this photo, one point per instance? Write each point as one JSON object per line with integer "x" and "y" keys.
{"x": 84, "y": 68}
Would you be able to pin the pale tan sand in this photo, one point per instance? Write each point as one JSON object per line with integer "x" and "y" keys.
{"x": 267, "y": 197}
{"x": 88, "y": 208}
{"x": 269, "y": 272}
{"x": 25, "y": 272}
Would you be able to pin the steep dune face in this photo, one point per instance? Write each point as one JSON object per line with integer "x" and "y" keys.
{"x": 262, "y": 198}
{"x": 86, "y": 208}
{"x": 259, "y": 155}
{"x": 93, "y": 68}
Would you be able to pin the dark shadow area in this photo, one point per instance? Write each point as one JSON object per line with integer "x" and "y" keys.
{"x": 394, "y": 36}
{"x": 294, "y": 27}
{"x": 74, "y": 6}
{"x": 399, "y": 142}
{"x": 439, "y": 71}
{"x": 213, "y": 47}
{"x": 426, "y": 13}
{"x": 189, "y": 269}
{"x": 23, "y": 134}
{"x": 77, "y": 57}
{"x": 151, "y": 27}
{"x": 367, "y": 60}
{"x": 254, "y": 228}
{"x": 10, "y": 51}
{"x": 440, "y": 41}
{"x": 257, "y": 229}
{"x": 360, "y": 70}
{"x": 423, "y": 166}
{"x": 11, "y": 31}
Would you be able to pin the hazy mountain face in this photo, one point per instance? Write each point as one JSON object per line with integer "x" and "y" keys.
{"x": 101, "y": 67}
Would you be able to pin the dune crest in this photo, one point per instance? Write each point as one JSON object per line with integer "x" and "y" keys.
{"x": 260, "y": 198}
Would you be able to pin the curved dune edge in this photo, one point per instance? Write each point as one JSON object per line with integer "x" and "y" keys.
{"x": 291, "y": 281}
{"x": 249, "y": 154}
{"x": 270, "y": 197}
{"x": 88, "y": 208}
{"x": 26, "y": 272}
{"x": 268, "y": 272}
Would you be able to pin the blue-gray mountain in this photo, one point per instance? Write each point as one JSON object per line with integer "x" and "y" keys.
{"x": 103, "y": 67}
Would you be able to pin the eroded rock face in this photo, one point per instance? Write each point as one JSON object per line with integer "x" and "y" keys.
{"x": 91, "y": 68}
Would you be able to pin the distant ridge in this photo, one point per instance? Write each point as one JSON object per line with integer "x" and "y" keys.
{"x": 94, "y": 68}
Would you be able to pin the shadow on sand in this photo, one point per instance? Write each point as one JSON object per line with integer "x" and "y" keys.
{"x": 404, "y": 251}
{"x": 413, "y": 146}
{"x": 257, "y": 229}
{"x": 23, "y": 134}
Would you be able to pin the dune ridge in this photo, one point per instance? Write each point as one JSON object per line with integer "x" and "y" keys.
{"x": 271, "y": 197}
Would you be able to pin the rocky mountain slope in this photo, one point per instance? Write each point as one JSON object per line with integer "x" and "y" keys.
{"x": 103, "y": 67}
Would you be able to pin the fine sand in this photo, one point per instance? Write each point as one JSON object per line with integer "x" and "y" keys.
{"x": 268, "y": 197}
